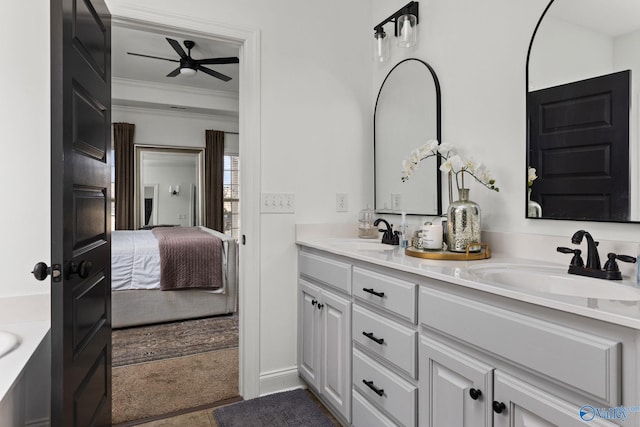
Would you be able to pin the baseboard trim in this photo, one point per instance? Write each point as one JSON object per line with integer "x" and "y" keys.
{"x": 280, "y": 380}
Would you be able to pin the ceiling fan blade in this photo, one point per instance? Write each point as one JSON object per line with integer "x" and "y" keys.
{"x": 176, "y": 46}
{"x": 174, "y": 72}
{"x": 214, "y": 73}
{"x": 154, "y": 57}
{"x": 226, "y": 60}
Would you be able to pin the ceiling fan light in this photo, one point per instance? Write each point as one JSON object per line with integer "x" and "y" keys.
{"x": 187, "y": 71}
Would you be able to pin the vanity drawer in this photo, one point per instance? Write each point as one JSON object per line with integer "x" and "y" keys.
{"x": 395, "y": 295}
{"x": 366, "y": 415}
{"x": 399, "y": 342}
{"x": 395, "y": 395}
{"x": 325, "y": 270}
{"x": 583, "y": 361}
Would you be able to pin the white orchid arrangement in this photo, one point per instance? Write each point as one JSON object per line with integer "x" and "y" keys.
{"x": 453, "y": 164}
{"x": 531, "y": 176}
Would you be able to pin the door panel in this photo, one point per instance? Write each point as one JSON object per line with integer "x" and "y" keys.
{"x": 309, "y": 327}
{"x": 579, "y": 144}
{"x": 336, "y": 352}
{"x": 80, "y": 225}
{"x": 447, "y": 377}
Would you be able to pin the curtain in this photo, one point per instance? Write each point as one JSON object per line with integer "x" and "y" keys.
{"x": 124, "y": 163}
{"x": 214, "y": 168}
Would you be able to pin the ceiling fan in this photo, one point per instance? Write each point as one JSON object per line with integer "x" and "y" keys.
{"x": 188, "y": 65}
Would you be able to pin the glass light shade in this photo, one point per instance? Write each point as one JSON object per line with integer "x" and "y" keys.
{"x": 380, "y": 47}
{"x": 187, "y": 71}
{"x": 407, "y": 30}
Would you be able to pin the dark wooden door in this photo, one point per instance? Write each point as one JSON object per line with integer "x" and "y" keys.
{"x": 80, "y": 212}
{"x": 579, "y": 144}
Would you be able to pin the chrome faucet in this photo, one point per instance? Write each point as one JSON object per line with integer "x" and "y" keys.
{"x": 593, "y": 259}
{"x": 593, "y": 269}
{"x": 389, "y": 237}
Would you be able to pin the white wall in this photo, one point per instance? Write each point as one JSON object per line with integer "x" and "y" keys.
{"x": 157, "y": 127}
{"x": 25, "y": 136}
{"x": 172, "y": 209}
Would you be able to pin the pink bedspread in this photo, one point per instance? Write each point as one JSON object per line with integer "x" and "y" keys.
{"x": 189, "y": 258}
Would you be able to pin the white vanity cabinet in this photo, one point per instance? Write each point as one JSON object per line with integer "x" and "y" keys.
{"x": 324, "y": 329}
{"x": 484, "y": 365}
{"x": 393, "y": 346}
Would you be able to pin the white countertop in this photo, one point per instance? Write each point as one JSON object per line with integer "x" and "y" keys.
{"x": 624, "y": 313}
{"x": 28, "y": 318}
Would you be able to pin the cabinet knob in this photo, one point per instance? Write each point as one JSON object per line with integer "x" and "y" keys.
{"x": 475, "y": 393}
{"x": 320, "y": 306}
{"x": 498, "y": 407}
{"x": 314, "y": 302}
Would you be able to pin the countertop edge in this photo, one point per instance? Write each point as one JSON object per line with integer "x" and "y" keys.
{"x": 429, "y": 269}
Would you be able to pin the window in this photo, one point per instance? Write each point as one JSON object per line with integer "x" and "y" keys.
{"x": 231, "y": 195}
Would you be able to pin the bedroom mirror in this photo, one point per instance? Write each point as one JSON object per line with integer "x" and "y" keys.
{"x": 583, "y": 67}
{"x": 406, "y": 115}
{"x": 169, "y": 183}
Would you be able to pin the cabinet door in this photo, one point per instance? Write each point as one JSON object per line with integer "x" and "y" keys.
{"x": 309, "y": 333}
{"x": 455, "y": 389}
{"x": 526, "y": 405}
{"x": 336, "y": 352}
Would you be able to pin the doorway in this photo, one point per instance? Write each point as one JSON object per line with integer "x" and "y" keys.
{"x": 249, "y": 143}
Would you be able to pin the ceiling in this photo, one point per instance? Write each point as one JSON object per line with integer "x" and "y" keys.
{"x": 131, "y": 67}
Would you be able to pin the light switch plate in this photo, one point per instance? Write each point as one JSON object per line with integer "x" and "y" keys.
{"x": 277, "y": 203}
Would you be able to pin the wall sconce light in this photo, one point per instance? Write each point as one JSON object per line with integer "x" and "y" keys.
{"x": 174, "y": 192}
{"x": 405, "y": 23}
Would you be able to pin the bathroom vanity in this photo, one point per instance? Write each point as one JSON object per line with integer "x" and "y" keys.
{"x": 386, "y": 339}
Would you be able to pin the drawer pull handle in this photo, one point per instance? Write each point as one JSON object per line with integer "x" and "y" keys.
{"x": 376, "y": 390}
{"x": 372, "y": 292}
{"x": 498, "y": 407}
{"x": 475, "y": 393}
{"x": 373, "y": 338}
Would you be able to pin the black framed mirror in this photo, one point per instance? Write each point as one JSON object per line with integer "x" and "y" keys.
{"x": 582, "y": 128}
{"x": 406, "y": 115}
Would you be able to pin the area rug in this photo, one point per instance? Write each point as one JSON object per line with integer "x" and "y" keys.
{"x": 289, "y": 408}
{"x": 162, "y": 387}
{"x": 163, "y": 341}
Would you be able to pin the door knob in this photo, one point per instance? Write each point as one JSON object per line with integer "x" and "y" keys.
{"x": 41, "y": 271}
{"x": 83, "y": 269}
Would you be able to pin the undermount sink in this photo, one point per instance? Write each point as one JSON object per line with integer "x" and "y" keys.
{"x": 362, "y": 245}
{"x": 553, "y": 280}
{"x": 8, "y": 342}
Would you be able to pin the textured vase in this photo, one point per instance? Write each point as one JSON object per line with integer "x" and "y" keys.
{"x": 534, "y": 210}
{"x": 463, "y": 224}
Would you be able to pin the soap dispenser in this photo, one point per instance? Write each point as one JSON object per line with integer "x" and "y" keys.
{"x": 404, "y": 231}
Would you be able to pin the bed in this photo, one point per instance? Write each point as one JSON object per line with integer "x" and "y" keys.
{"x": 136, "y": 297}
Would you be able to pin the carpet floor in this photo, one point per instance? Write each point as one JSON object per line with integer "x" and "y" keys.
{"x": 165, "y": 368}
{"x": 156, "y": 388}
{"x": 176, "y": 339}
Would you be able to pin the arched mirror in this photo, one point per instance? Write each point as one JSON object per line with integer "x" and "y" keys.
{"x": 407, "y": 114}
{"x": 582, "y": 124}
